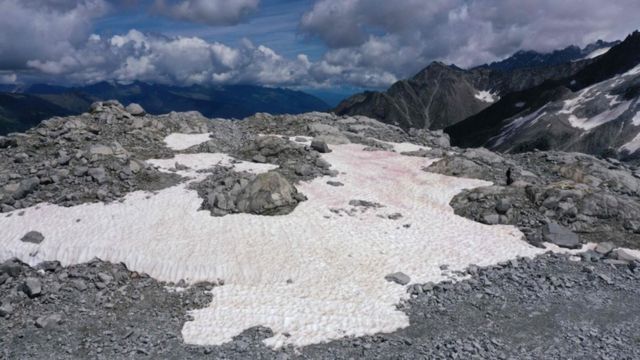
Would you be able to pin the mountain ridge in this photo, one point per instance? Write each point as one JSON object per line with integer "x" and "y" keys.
{"x": 228, "y": 101}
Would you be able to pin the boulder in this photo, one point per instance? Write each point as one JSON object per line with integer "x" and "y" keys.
{"x": 625, "y": 255}
{"x": 268, "y": 194}
{"x": 98, "y": 174}
{"x": 33, "y": 237}
{"x": 320, "y": 146}
{"x": 561, "y": 236}
{"x": 49, "y": 321}
{"x": 32, "y": 287}
{"x": 135, "y": 110}
{"x": 398, "y": 278}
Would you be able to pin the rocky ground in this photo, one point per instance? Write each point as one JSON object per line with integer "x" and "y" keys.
{"x": 551, "y": 307}
{"x": 548, "y": 307}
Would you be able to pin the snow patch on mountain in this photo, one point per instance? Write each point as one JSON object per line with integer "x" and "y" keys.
{"x": 636, "y": 119}
{"x": 515, "y": 125}
{"x": 602, "y": 118}
{"x": 487, "y": 96}
{"x": 311, "y": 276}
{"x": 632, "y": 146}
{"x": 597, "y": 53}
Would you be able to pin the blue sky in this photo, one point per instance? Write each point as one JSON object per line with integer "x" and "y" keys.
{"x": 275, "y": 24}
{"x": 324, "y": 46}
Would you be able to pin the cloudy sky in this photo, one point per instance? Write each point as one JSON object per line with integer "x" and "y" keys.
{"x": 289, "y": 43}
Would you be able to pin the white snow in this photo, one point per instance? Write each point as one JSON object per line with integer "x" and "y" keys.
{"x": 600, "y": 119}
{"x": 632, "y": 146}
{"x": 313, "y": 274}
{"x": 634, "y": 71}
{"x": 597, "y": 53}
{"x": 516, "y": 124}
{"x": 636, "y": 119}
{"x": 487, "y": 96}
{"x": 184, "y": 141}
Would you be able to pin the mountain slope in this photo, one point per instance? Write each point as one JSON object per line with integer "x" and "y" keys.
{"x": 595, "y": 111}
{"x": 40, "y": 102}
{"x": 22, "y": 111}
{"x": 440, "y": 95}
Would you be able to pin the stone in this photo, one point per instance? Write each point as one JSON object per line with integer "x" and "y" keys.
{"x": 5, "y": 309}
{"x": 491, "y": 219}
{"x": 398, "y": 278}
{"x": 503, "y": 206}
{"x": 48, "y": 321}
{"x": 268, "y": 194}
{"x": 12, "y": 267}
{"x": 561, "y": 236}
{"x": 320, "y": 146}
{"x": 334, "y": 183}
{"x": 105, "y": 278}
{"x": 100, "y": 150}
{"x": 625, "y": 255}
{"x": 135, "y": 110}
{"x": 80, "y": 170}
{"x": 394, "y": 216}
{"x": 33, "y": 237}
{"x": 32, "y": 287}
{"x": 181, "y": 167}
{"x": 604, "y": 248}
{"x": 98, "y": 174}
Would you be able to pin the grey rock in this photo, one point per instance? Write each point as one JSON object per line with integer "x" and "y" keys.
{"x": 561, "y": 236}
{"x": 33, "y": 237}
{"x": 135, "y": 110}
{"x": 320, "y": 146}
{"x": 6, "y": 309}
{"x": 49, "y": 321}
{"x": 32, "y": 287}
{"x": 80, "y": 170}
{"x": 622, "y": 254}
{"x": 604, "y": 248}
{"x": 98, "y": 174}
{"x": 365, "y": 204}
{"x": 503, "y": 206}
{"x": 398, "y": 278}
{"x": 100, "y": 150}
{"x": 334, "y": 183}
{"x": 268, "y": 194}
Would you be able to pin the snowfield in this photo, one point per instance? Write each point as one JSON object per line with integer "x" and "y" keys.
{"x": 311, "y": 276}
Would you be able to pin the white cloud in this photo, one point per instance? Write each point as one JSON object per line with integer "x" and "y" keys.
{"x": 402, "y": 36}
{"x": 210, "y": 12}
{"x": 173, "y": 60}
{"x": 9, "y": 78}
{"x": 371, "y": 43}
{"x": 44, "y": 29}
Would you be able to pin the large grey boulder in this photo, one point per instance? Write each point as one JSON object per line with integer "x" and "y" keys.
{"x": 33, "y": 237}
{"x": 135, "y": 110}
{"x": 268, "y": 194}
{"x": 561, "y": 236}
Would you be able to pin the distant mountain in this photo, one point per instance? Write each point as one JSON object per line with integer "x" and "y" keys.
{"x": 233, "y": 101}
{"x": 527, "y": 59}
{"x": 441, "y": 95}
{"x": 596, "y": 110}
{"x": 23, "y": 111}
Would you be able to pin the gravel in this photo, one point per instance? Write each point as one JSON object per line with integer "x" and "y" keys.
{"x": 551, "y": 307}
